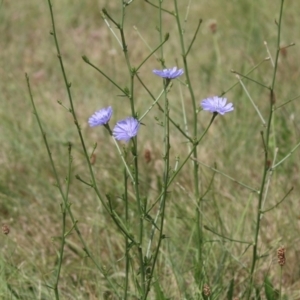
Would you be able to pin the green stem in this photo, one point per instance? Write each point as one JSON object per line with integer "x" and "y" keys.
{"x": 249, "y": 72}
{"x": 280, "y": 284}
{"x": 127, "y": 256}
{"x": 250, "y": 79}
{"x": 73, "y": 112}
{"x": 287, "y": 102}
{"x": 194, "y": 38}
{"x": 287, "y": 156}
{"x": 74, "y": 222}
{"x": 251, "y": 100}
{"x": 124, "y": 161}
{"x": 86, "y": 60}
{"x": 278, "y": 203}
{"x": 229, "y": 177}
{"x": 266, "y": 156}
{"x": 166, "y": 169}
{"x": 135, "y": 156}
{"x": 160, "y": 8}
{"x": 64, "y": 235}
{"x": 195, "y": 144}
{"x": 72, "y": 109}
{"x": 225, "y": 237}
{"x": 278, "y": 45}
{"x": 162, "y": 110}
{"x": 195, "y": 133}
{"x": 152, "y": 52}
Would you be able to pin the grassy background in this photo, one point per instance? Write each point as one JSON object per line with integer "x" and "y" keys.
{"x": 30, "y": 204}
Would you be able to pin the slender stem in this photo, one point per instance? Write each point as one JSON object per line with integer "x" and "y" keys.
{"x": 269, "y": 53}
{"x": 195, "y": 144}
{"x": 269, "y": 179}
{"x": 159, "y": 7}
{"x": 73, "y": 112}
{"x": 110, "y": 28}
{"x": 105, "y": 13}
{"x": 74, "y": 222}
{"x": 124, "y": 161}
{"x": 101, "y": 72}
{"x": 166, "y": 167}
{"x": 227, "y": 238}
{"x": 127, "y": 256}
{"x": 250, "y": 79}
{"x": 184, "y": 115}
{"x": 145, "y": 42}
{"x": 61, "y": 252}
{"x": 259, "y": 205}
{"x": 287, "y": 156}
{"x": 194, "y": 37}
{"x": 187, "y": 13}
{"x": 227, "y": 176}
{"x": 184, "y": 56}
{"x": 195, "y": 130}
{"x": 163, "y": 199}
{"x": 72, "y": 109}
{"x": 280, "y": 284}
{"x": 266, "y": 156}
{"x": 153, "y": 51}
{"x": 135, "y": 157}
{"x": 154, "y": 102}
{"x": 278, "y": 45}
{"x": 287, "y": 102}
{"x": 63, "y": 236}
{"x": 251, "y": 100}
{"x": 249, "y": 72}
{"x": 278, "y": 203}
{"x": 162, "y": 110}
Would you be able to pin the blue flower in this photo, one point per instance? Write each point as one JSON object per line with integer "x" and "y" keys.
{"x": 169, "y": 73}
{"x": 217, "y": 105}
{"x": 101, "y": 117}
{"x": 126, "y": 129}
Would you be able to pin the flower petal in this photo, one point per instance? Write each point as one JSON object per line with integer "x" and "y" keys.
{"x": 126, "y": 129}
{"x": 217, "y": 105}
{"x": 169, "y": 73}
{"x": 100, "y": 117}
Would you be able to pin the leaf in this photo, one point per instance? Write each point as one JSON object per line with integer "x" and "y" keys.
{"x": 269, "y": 290}
{"x": 158, "y": 291}
{"x": 230, "y": 290}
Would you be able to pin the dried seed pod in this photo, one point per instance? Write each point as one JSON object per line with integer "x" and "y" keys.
{"x": 5, "y": 229}
{"x": 213, "y": 26}
{"x": 281, "y": 256}
{"x": 206, "y": 290}
{"x": 93, "y": 159}
{"x": 283, "y": 51}
{"x": 147, "y": 155}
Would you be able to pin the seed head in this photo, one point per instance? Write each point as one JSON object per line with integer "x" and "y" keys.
{"x": 281, "y": 256}
{"x": 5, "y": 229}
{"x": 93, "y": 159}
{"x": 206, "y": 290}
{"x": 147, "y": 155}
{"x": 283, "y": 51}
{"x": 213, "y": 26}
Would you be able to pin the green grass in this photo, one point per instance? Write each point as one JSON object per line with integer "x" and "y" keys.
{"x": 30, "y": 201}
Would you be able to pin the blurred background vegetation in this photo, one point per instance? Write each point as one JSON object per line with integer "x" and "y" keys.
{"x": 231, "y": 37}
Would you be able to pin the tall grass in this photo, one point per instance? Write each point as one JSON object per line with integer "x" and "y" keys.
{"x": 195, "y": 206}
